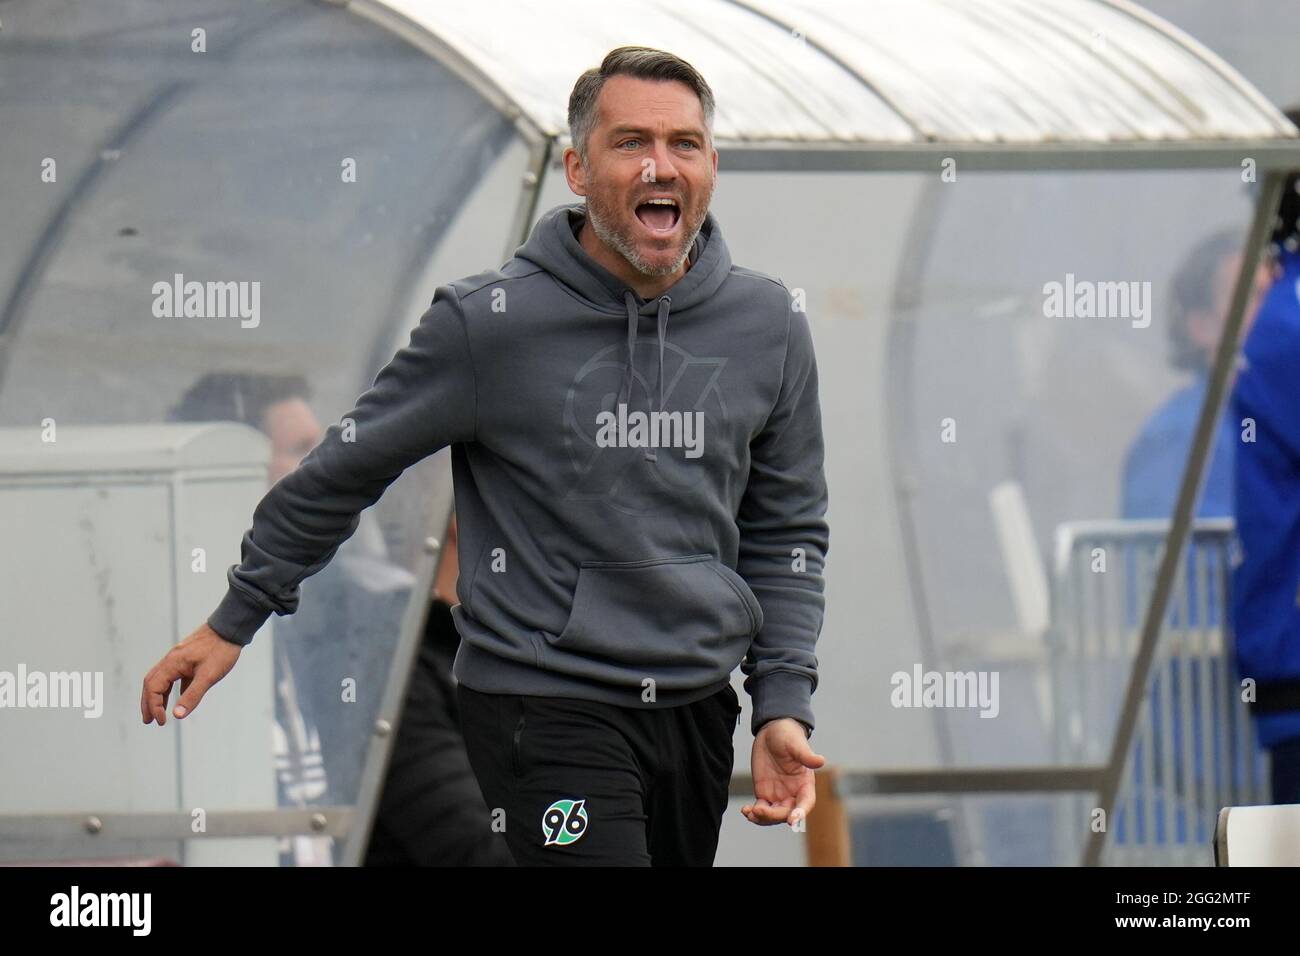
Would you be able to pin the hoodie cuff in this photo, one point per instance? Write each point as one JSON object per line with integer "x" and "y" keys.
{"x": 781, "y": 694}
{"x": 238, "y": 617}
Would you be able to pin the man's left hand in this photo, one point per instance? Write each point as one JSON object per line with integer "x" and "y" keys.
{"x": 782, "y": 764}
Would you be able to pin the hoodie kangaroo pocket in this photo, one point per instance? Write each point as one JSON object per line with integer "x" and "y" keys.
{"x": 685, "y": 611}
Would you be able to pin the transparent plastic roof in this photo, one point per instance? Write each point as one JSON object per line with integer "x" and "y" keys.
{"x": 769, "y": 86}
{"x": 889, "y": 71}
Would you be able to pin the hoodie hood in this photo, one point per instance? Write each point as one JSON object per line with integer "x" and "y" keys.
{"x": 553, "y": 245}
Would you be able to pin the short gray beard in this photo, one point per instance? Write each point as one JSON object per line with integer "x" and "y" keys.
{"x": 626, "y": 246}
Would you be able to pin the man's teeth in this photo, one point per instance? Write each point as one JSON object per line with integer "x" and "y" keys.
{"x": 657, "y": 223}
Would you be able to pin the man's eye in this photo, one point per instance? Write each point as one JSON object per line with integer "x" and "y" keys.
{"x": 627, "y": 141}
{"x": 687, "y": 142}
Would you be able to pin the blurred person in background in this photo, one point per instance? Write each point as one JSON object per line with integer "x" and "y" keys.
{"x": 1153, "y": 467}
{"x": 1265, "y": 603}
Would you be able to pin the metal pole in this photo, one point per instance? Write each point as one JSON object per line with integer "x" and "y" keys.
{"x": 390, "y": 709}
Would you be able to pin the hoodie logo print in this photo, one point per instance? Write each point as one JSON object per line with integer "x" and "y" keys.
{"x": 602, "y": 439}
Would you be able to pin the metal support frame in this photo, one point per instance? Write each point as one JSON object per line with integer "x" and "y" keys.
{"x": 539, "y": 157}
{"x": 956, "y": 781}
{"x": 972, "y": 780}
{"x": 1266, "y": 154}
{"x": 177, "y": 824}
{"x": 1188, "y": 494}
{"x": 390, "y": 708}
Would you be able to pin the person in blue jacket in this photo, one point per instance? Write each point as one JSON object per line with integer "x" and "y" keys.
{"x": 1265, "y": 593}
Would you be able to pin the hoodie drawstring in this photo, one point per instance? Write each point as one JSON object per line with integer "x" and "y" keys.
{"x": 661, "y": 321}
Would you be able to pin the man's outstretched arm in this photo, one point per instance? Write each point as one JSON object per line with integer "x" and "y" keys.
{"x": 419, "y": 403}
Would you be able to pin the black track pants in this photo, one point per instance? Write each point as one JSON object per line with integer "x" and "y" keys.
{"x": 580, "y": 783}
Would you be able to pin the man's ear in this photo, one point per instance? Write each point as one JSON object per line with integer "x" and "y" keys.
{"x": 574, "y": 173}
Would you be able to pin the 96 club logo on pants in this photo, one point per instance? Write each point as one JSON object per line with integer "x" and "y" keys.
{"x": 564, "y": 822}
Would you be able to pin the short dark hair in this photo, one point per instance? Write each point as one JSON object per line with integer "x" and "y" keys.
{"x": 1288, "y": 215}
{"x": 1193, "y": 290}
{"x": 237, "y": 396}
{"x": 640, "y": 61}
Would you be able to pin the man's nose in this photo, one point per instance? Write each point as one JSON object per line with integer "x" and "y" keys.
{"x": 664, "y": 170}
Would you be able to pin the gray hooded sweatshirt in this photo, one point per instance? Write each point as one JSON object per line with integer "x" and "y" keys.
{"x": 639, "y": 484}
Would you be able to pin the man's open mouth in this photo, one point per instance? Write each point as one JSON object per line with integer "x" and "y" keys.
{"x": 659, "y": 215}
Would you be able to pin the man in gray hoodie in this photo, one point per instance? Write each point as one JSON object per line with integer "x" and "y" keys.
{"x": 639, "y": 512}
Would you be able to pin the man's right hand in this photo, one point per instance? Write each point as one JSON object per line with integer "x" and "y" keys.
{"x": 197, "y": 662}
